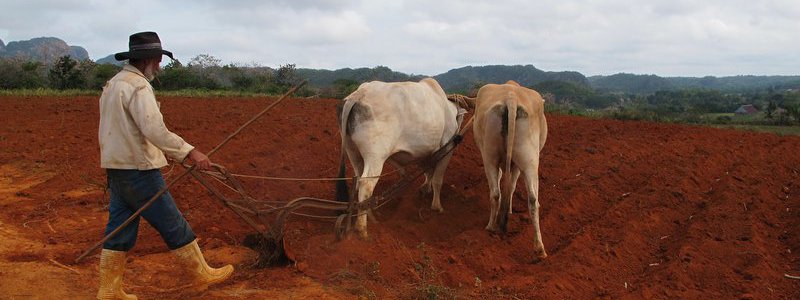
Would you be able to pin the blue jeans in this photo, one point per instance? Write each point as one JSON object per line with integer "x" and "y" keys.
{"x": 130, "y": 190}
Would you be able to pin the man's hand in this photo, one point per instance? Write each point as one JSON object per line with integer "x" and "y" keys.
{"x": 200, "y": 160}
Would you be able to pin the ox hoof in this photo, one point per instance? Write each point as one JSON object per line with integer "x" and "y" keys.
{"x": 491, "y": 228}
{"x": 438, "y": 209}
{"x": 539, "y": 255}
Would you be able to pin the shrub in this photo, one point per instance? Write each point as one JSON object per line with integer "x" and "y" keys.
{"x": 17, "y": 73}
{"x": 66, "y": 73}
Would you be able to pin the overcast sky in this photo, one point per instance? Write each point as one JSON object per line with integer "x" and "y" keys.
{"x": 594, "y": 37}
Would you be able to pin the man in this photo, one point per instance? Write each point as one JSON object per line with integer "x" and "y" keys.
{"x": 133, "y": 140}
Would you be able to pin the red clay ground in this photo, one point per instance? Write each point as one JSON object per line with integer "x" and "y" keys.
{"x": 629, "y": 210}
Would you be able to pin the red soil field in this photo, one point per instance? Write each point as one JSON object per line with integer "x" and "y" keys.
{"x": 630, "y": 210}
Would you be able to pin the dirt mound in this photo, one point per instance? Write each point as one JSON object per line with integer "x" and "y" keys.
{"x": 629, "y": 210}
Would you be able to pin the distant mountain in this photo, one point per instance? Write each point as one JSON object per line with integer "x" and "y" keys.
{"x": 455, "y": 80}
{"x": 45, "y": 49}
{"x": 2, "y": 46}
{"x": 318, "y": 77}
{"x": 630, "y": 83}
{"x": 78, "y": 52}
{"x": 645, "y": 84}
{"x": 736, "y": 83}
{"x": 110, "y": 60}
{"x": 464, "y": 79}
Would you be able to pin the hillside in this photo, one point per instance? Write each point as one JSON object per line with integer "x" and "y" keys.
{"x": 44, "y": 49}
{"x": 109, "y": 60}
{"x": 466, "y": 78}
{"x": 736, "y": 83}
{"x": 646, "y": 84}
{"x": 455, "y": 80}
{"x": 321, "y": 78}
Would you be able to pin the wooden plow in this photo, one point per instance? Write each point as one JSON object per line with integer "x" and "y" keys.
{"x": 268, "y": 219}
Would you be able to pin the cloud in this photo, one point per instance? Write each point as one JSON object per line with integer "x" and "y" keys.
{"x": 445, "y": 33}
{"x": 278, "y": 5}
{"x": 316, "y": 29}
{"x": 678, "y": 37}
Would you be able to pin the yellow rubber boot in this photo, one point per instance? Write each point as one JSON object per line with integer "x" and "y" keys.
{"x": 112, "y": 267}
{"x": 195, "y": 264}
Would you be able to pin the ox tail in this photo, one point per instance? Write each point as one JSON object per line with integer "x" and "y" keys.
{"x": 506, "y": 184}
{"x": 342, "y": 194}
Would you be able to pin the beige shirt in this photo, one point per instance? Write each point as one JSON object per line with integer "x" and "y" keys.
{"x": 132, "y": 132}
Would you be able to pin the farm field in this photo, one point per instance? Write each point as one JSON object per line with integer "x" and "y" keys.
{"x": 630, "y": 210}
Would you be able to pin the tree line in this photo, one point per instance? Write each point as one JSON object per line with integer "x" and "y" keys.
{"x": 64, "y": 73}
{"x": 203, "y": 72}
{"x": 647, "y": 84}
{"x": 563, "y": 91}
{"x": 777, "y": 106}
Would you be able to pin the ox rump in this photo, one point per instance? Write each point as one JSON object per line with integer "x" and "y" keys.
{"x": 400, "y": 122}
{"x": 510, "y": 131}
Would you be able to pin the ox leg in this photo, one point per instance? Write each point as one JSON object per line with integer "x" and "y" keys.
{"x": 366, "y": 185}
{"x": 436, "y": 182}
{"x": 515, "y": 172}
{"x": 358, "y": 166}
{"x": 356, "y": 161}
{"x": 493, "y": 177}
{"x": 532, "y": 184}
{"x": 425, "y": 188}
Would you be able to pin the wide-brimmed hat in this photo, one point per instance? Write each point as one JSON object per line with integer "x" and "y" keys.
{"x": 143, "y": 45}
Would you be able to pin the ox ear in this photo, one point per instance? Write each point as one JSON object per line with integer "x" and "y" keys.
{"x": 511, "y": 82}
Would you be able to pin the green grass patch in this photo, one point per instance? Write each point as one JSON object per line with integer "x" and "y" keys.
{"x": 48, "y": 92}
{"x": 778, "y": 130}
{"x": 189, "y": 93}
{"x": 429, "y": 286}
{"x": 717, "y": 115}
{"x": 210, "y": 93}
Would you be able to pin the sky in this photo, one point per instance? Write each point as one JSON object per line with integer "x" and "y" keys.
{"x": 594, "y": 37}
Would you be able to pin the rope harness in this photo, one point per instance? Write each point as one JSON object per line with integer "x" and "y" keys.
{"x": 251, "y": 209}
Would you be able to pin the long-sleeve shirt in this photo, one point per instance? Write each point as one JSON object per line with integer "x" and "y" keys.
{"x": 132, "y": 132}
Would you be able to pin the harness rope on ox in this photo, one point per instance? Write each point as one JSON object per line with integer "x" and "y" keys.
{"x": 270, "y": 243}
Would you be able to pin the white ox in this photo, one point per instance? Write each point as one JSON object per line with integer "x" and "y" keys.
{"x": 400, "y": 122}
{"x": 510, "y": 130}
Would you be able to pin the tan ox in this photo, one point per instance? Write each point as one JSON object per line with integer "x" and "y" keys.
{"x": 399, "y": 122}
{"x": 510, "y": 130}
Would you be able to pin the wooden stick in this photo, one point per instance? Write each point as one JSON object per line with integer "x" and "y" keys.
{"x": 50, "y": 226}
{"x": 185, "y": 172}
{"x": 291, "y": 91}
{"x": 63, "y": 266}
